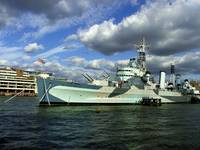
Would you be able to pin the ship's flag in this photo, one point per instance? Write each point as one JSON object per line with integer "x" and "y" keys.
{"x": 40, "y": 61}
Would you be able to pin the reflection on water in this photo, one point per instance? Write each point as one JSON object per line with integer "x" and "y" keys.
{"x": 24, "y": 125}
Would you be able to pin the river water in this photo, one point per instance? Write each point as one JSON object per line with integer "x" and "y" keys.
{"x": 24, "y": 125}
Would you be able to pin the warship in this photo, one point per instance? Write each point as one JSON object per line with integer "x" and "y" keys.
{"x": 131, "y": 84}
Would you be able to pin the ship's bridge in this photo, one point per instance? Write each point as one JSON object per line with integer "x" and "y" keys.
{"x": 127, "y": 72}
{"x": 131, "y": 70}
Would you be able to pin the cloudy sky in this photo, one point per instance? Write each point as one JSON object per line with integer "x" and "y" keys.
{"x": 75, "y": 36}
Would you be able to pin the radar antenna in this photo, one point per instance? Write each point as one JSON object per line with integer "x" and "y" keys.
{"x": 141, "y": 48}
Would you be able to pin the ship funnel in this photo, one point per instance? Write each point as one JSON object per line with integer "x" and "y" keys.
{"x": 162, "y": 79}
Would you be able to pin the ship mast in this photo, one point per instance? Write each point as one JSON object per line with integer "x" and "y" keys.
{"x": 141, "y": 53}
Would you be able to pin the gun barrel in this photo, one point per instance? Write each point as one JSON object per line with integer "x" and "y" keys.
{"x": 89, "y": 80}
{"x": 89, "y": 77}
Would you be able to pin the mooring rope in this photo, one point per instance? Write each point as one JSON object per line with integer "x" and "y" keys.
{"x": 17, "y": 94}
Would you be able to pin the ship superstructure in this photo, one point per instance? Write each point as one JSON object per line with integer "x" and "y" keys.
{"x": 13, "y": 81}
{"x": 132, "y": 84}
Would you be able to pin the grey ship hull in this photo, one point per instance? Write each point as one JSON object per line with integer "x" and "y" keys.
{"x": 62, "y": 92}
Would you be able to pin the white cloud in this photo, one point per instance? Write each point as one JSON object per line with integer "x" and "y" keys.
{"x": 122, "y": 62}
{"x": 51, "y": 15}
{"x": 95, "y": 64}
{"x": 3, "y": 62}
{"x": 12, "y": 56}
{"x": 33, "y": 47}
{"x": 74, "y": 66}
{"x": 59, "y": 49}
{"x": 58, "y": 69}
{"x": 51, "y": 52}
{"x": 71, "y": 37}
{"x": 26, "y": 57}
{"x": 170, "y": 27}
{"x": 135, "y": 2}
{"x": 75, "y": 60}
{"x": 185, "y": 64}
{"x": 101, "y": 64}
{"x": 10, "y": 53}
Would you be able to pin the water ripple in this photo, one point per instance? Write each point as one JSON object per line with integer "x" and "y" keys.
{"x": 24, "y": 125}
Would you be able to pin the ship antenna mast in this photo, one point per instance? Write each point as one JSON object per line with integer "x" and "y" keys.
{"x": 141, "y": 48}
